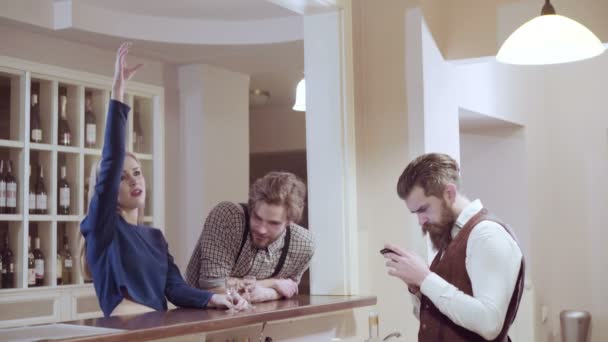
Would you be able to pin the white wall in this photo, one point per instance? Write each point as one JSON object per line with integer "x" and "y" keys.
{"x": 440, "y": 102}
{"x": 383, "y": 150}
{"x": 493, "y": 166}
{"x": 274, "y": 129}
{"x": 566, "y": 149}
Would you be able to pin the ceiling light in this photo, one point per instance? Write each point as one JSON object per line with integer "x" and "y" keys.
{"x": 258, "y": 97}
{"x": 300, "y": 104}
{"x": 549, "y": 39}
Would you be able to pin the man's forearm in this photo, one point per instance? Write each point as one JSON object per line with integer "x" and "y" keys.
{"x": 268, "y": 283}
{"x": 265, "y": 294}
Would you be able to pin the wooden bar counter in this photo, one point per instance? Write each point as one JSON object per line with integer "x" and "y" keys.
{"x": 180, "y": 322}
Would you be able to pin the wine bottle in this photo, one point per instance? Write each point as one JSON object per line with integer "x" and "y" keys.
{"x": 39, "y": 263}
{"x": 138, "y": 135}
{"x": 67, "y": 261}
{"x": 35, "y": 127}
{"x": 32, "y": 192}
{"x": 31, "y": 264}
{"x": 64, "y": 193}
{"x": 374, "y": 329}
{"x": 11, "y": 190}
{"x": 41, "y": 197}
{"x": 2, "y": 189}
{"x": 8, "y": 265}
{"x": 91, "y": 124}
{"x": 86, "y": 195}
{"x": 1, "y": 268}
{"x": 59, "y": 269}
{"x": 65, "y": 135}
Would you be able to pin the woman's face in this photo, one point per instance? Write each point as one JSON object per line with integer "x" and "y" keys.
{"x": 132, "y": 191}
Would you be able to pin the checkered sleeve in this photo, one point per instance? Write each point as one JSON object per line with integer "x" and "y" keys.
{"x": 217, "y": 248}
{"x": 301, "y": 252}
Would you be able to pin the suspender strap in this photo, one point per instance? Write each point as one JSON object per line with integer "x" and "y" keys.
{"x": 283, "y": 257}
{"x": 245, "y": 231}
{"x": 283, "y": 253}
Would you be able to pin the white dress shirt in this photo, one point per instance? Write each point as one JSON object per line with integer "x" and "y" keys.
{"x": 493, "y": 260}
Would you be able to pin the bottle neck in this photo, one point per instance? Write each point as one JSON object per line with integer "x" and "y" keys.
{"x": 373, "y": 323}
{"x": 63, "y": 105}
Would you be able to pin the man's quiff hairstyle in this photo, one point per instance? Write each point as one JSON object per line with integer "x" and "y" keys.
{"x": 280, "y": 188}
{"x": 432, "y": 172}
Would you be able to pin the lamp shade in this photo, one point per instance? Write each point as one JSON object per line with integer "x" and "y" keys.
{"x": 549, "y": 39}
{"x": 300, "y": 104}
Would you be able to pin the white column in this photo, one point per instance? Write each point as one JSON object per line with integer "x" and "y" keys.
{"x": 213, "y": 146}
{"x": 329, "y": 149}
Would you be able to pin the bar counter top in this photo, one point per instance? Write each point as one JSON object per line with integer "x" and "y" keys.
{"x": 179, "y": 322}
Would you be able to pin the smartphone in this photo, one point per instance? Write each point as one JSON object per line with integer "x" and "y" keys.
{"x": 387, "y": 250}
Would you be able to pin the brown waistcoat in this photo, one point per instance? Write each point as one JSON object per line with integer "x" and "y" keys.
{"x": 435, "y": 326}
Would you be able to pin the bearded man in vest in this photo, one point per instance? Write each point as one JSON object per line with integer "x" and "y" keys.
{"x": 473, "y": 287}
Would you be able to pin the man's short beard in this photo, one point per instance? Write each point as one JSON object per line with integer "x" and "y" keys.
{"x": 441, "y": 232}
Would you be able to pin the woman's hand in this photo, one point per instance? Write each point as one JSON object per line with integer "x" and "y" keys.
{"x": 122, "y": 73}
{"x": 224, "y": 301}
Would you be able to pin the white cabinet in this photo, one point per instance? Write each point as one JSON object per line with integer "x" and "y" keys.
{"x": 46, "y": 149}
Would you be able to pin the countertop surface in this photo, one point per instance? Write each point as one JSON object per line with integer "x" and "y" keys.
{"x": 158, "y": 324}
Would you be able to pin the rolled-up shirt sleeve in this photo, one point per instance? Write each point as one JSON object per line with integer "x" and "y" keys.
{"x": 217, "y": 248}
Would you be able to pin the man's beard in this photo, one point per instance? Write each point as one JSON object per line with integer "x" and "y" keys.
{"x": 441, "y": 232}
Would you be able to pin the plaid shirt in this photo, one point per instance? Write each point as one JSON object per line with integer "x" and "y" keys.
{"x": 217, "y": 248}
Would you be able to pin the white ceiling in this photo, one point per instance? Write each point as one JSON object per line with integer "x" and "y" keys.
{"x": 197, "y": 9}
{"x": 275, "y": 67}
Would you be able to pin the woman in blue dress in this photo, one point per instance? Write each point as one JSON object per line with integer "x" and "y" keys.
{"x": 130, "y": 263}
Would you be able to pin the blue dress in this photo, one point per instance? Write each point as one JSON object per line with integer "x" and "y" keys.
{"x": 124, "y": 258}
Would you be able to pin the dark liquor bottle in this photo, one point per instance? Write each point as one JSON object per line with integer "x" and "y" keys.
{"x": 11, "y": 190}
{"x": 65, "y": 135}
{"x": 91, "y": 124}
{"x": 35, "y": 127}
{"x": 31, "y": 264}
{"x": 86, "y": 195}
{"x": 64, "y": 193}
{"x": 8, "y": 265}
{"x": 67, "y": 261}
{"x": 59, "y": 268}
{"x": 41, "y": 197}
{"x": 39, "y": 263}
{"x": 32, "y": 193}
{"x": 2, "y": 189}
{"x": 138, "y": 134}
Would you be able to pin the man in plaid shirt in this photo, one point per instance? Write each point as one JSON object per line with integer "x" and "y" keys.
{"x": 260, "y": 239}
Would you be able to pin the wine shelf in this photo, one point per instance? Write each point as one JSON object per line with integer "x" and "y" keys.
{"x": 87, "y": 98}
